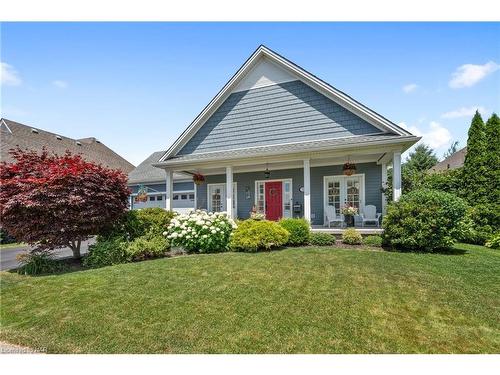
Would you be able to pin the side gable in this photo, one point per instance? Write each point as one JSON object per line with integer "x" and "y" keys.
{"x": 254, "y": 74}
{"x": 275, "y": 114}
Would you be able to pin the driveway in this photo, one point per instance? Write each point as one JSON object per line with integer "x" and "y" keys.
{"x": 8, "y": 256}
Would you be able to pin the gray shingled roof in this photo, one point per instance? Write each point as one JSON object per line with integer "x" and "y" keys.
{"x": 14, "y": 134}
{"x": 327, "y": 144}
{"x": 145, "y": 172}
{"x": 453, "y": 161}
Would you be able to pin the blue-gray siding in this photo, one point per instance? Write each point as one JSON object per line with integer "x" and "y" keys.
{"x": 282, "y": 113}
{"x": 161, "y": 188}
{"x": 373, "y": 183}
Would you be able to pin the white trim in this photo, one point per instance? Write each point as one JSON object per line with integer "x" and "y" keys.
{"x": 396, "y": 176}
{"x": 169, "y": 189}
{"x": 229, "y": 191}
{"x": 332, "y": 93}
{"x": 223, "y": 184}
{"x": 282, "y": 180}
{"x": 401, "y": 143}
{"x": 307, "y": 190}
{"x": 343, "y": 178}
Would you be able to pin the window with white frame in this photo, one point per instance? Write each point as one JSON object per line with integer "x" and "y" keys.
{"x": 342, "y": 190}
{"x": 217, "y": 197}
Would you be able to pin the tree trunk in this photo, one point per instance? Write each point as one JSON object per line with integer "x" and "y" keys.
{"x": 75, "y": 247}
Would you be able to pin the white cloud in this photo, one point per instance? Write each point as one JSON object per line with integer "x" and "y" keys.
{"x": 469, "y": 74}
{"x": 410, "y": 87}
{"x": 60, "y": 84}
{"x": 9, "y": 75}
{"x": 435, "y": 135}
{"x": 464, "y": 112}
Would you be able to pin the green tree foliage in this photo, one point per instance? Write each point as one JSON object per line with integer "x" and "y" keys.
{"x": 421, "y": 159}
{"x": 493, "y": 159}
{"x": 474, "y": 177}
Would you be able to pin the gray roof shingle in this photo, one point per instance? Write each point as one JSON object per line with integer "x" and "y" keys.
{"x": 145, "y": 172}
{"x": 13, "y": 134}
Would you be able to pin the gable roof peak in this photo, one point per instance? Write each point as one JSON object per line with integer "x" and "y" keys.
{"x": 309, "y": 79}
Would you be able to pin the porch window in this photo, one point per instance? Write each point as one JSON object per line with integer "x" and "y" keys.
{"x": 333, "y": 194}
{"x": 217, "y": 197}
{"x": 341, "y": 190}
{"x": 287, "y": 198}
{"x": 261, "y": 198}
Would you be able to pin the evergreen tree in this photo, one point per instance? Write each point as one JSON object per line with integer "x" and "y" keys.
{"x": 421, "y": 159}
{"x": 475, "y": 165}
{"x": 493, "y": 159}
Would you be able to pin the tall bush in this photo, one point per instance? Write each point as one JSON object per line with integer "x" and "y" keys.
{"x": 299, "y": 230}
{"x": 423, "y": 220}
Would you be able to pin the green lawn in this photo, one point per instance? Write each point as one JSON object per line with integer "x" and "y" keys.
{"x": 300, "y": 300}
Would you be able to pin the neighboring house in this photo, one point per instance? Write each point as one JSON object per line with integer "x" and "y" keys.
{"x": 453, "y": 161}
{"x": 13, "y": 134}
{"x": 276, "y": 137}
{"x": 151, "y": 180}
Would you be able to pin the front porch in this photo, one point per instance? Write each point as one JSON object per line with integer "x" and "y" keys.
{"x": 312, "y": 186}
{"x": 337, "y": 230}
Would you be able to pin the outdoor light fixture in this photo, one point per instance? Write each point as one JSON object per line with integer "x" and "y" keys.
{"x": 267, "y": 173}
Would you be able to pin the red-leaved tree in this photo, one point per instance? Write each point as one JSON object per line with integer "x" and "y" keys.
{"x": 54, "y": 201}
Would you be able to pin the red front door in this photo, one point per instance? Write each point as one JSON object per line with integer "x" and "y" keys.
{"x": 274, "y": 200}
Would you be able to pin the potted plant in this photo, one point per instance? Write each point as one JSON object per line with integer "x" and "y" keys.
{"x": 349, "y": 211}
{"x": 198, "y": 178}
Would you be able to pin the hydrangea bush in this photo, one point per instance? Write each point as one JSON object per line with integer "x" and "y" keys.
{"x": 201, "y": 232}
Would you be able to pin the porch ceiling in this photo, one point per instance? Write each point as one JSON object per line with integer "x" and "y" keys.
{"x": 259, "y": 164}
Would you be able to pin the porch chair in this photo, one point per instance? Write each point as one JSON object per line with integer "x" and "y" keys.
{"x": 332, "y": 217}
{"x": 370, "y": 215}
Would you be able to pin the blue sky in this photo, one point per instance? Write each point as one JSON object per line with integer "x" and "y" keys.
{"x": 136, "y": 86}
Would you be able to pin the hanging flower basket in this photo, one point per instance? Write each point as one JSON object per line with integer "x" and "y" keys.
{"x": 142, "y": 194}
{"x": 198, "y": 178}
{"x": 349, "y": 169}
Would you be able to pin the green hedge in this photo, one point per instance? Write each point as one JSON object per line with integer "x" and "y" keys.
{"x": 423, "y": 220}
{"x": 373, "y": 240}
{"x": 321, "y": 239}
{"x": 254, "y": 235}
{"x": 352, "y": 237}
{"x": 299, "y": 230}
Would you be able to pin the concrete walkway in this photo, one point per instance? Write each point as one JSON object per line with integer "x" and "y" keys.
{"x": 8, "y": 256}
{"x": 6, "y": 348}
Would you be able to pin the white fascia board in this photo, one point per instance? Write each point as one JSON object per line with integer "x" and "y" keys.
{"x": 316, "y": 83}
{"x": 368, "y": 146}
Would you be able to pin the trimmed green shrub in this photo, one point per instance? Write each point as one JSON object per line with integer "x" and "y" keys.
{"x": 321, "y": 239}
{"x": 352, "y": 237}
{"x": 423, "y": 220}
{"x": 138, "y": 223}
{"x": 299, "y": 230}
{"x": 375, "y": 241}
{"x": 148, "y": 246}
{"x": 493, "y": 242}
{"x": 252, "y": 235}
{"x": 106, "y": 252}
{"x": 38, "y": 263}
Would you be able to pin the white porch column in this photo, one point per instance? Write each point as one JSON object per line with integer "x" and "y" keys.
{"x": 384, "y": 185}
{"x": 169, "y": 196}
{"x": 229, "y": 192}
{"x": 307, "y": 190}
{"x": 396, "y": 176}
